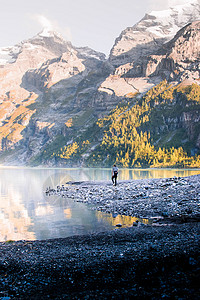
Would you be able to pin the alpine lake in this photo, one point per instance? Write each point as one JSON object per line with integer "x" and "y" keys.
{"x": 27, "y": 213}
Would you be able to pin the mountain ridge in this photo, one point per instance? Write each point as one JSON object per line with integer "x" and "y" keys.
{"x": 157, "y": 28}
{"x": 54, "y": 92}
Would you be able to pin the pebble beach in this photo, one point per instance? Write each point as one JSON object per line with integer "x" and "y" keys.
{"x": 156, "y": 199}
{"x": 155, "y": 260}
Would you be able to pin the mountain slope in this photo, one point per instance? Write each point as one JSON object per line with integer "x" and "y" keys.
{"x": 177, "y": 60}
{"x": 160, "y": 129}
{"x": 151, "y": 32}
{"x": 43, "y": 82}
{"x": 52, "y": 94}
{"x": 166, "y": 116}
{"x": 136, "y": 54}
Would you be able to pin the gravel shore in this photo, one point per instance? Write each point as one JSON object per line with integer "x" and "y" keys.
{"x": 158, "y": 199}
{"x": 158, "y": 261}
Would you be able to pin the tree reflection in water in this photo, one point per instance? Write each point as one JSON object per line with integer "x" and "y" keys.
{"x": 26, "y": 213}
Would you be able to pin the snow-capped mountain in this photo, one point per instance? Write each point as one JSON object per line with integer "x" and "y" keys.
{"x": 152, "y": 31}
{"x": 9, "y": 55}
{"x": 47, "y": 84}
{"x": 31, "y": 54}
{"x": 179, "y": 59}
{"x": 51, "y": 41}
{"x": 129, "y": 55}
{"x": 31, "y": 73}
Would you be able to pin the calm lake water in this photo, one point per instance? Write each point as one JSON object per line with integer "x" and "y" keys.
{"x": 27, "y": 214}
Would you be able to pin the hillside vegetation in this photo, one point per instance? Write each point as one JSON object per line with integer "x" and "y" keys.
{"x": 151, "y": 131}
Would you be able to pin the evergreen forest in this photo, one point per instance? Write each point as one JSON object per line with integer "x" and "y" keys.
{"x": 158, "y": 129}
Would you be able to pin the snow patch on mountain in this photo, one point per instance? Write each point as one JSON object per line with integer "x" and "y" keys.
{"x": 8, "y": 55}
{"x": 47, "y": 32}
{"x": 149, "y": 34}
{"x": 29, "y": 46}
{"x": 173, "y": 18}
{"x": 90, "y": 53}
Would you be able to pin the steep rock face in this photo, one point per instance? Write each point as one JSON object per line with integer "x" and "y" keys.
{"x": 148, "y": 52}
{"x": 71, "y": 63}
{"x": 179, "y": 59}
{"x": 47, "y": 73}
{"x": 151, "y": 32}
{"x": 48, "y": 86}
{"x": 186, "y": 120}
{"x": 27, "y": 55}
{"x": 54, "y": 70}
{"x": 189, "y": 120}
{"x": 198, "y": 142}
{"x": 15, "y": 98}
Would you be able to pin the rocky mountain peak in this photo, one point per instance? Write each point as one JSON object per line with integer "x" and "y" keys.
{"x": 189, "y": 35}
{"x": 166, "y": 23}
{"x": 149, "y": 34}
{"x": 47, "y": 85}
{"x": 49, "y": 33}
{"x": 179, "y": 58}
{"x": 48, "y": 41}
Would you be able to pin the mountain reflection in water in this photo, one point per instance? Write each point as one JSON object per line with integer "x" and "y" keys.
{"x": 125, "y": 221}
{"x": 26, "y": 213}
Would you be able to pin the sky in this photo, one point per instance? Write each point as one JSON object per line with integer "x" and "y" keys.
{"x": 92, "y": 23}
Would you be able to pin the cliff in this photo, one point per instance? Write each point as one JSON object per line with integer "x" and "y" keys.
{"x": 53, "y": 93}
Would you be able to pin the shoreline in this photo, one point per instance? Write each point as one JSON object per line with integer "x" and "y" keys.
{"x": 140, "y": 262}
{"x": 157, "y": 198}
{"x": 99, "y": 168}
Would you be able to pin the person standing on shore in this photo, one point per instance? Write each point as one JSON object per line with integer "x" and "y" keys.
{"x": 114, "y": 175}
